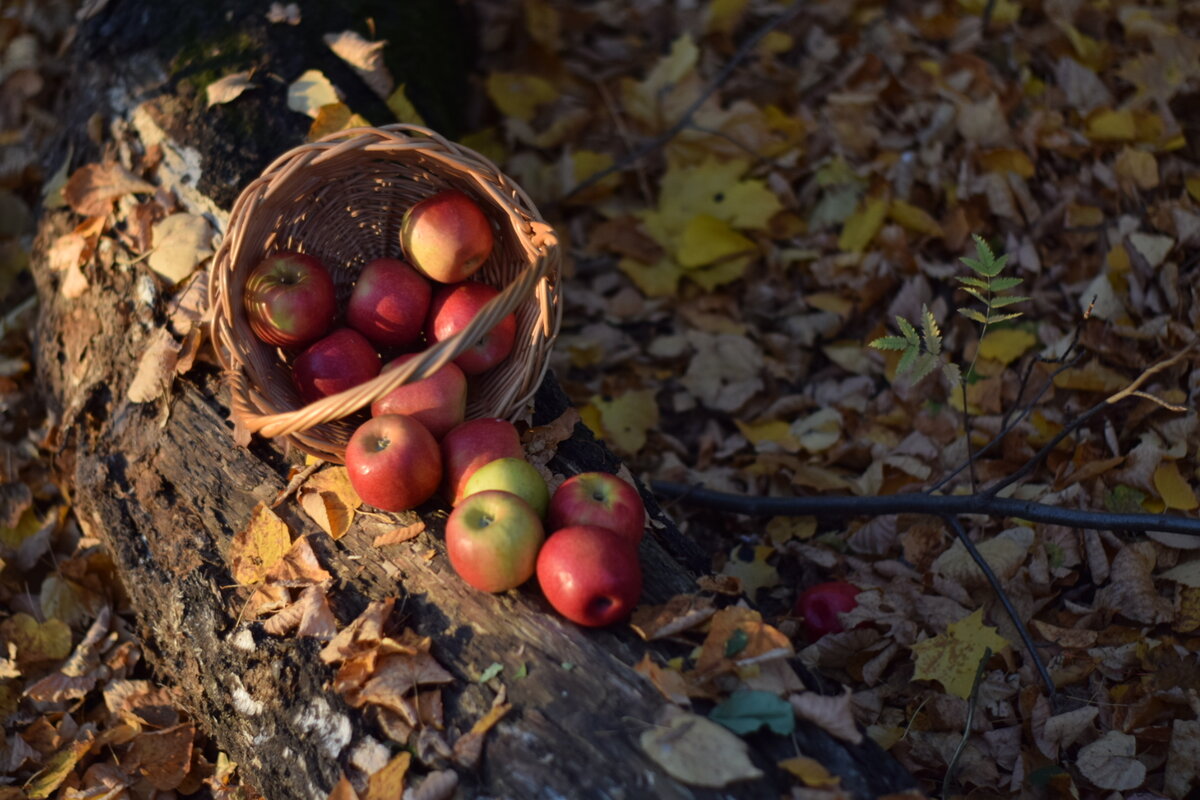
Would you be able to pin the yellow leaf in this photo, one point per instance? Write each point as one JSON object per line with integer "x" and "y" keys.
{"x": 1108, "y": 125}
{"x": 487, "y": 143}
{"x": 388, "y": 782}
{"x": 914, "y": 218}
{"x": 1192, "y": 182}
{"x": 258, "y": 548}
{"x": 1092, "y": 377}
{"x": 720, "y": 273}
{"x": 585, "y": 164}
{"x": 1084, "y": 216}
{"x": 1006, "y": 345}
{"x": 544, "y": 24}
{"x": 863, "y": 224}
{"x": 402, "y": 108}
{"x": 1188, "y": 618}
{"x": 518, "y": 94}
{"x": 723, "y": 16}
{"x": 1173, "y": 488}
{"x": 1090, "y": 51}
{"x": 655, "y": 280}
{"x": 831, "y": 302}
{"x": 37, "y": 641}
{"x": 811, "y": 772}
{"x": 707, "y": 239}
{"x": 1007, "y": 160}
{"x": 669, "y": 70}
{"x": 26, "y": 526}
{"x": 333, "y": 118}
{"x": 774, "y": 431}
{"x": 752, "y": 569}
{"x": 952, "y": 658}
{"x": 1004, "y": 12}
{"x": 625, "y": 419}
{"x": 59, "y": 766}
{"x": 1137, "y": 166}
{"x": 781, "y": 530}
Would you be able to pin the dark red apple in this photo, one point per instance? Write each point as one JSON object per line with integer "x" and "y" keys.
{"x": 590, "y": 575}
{"x": 453, "y": 308}
{"x": 601, "y": 499}
{"x": 472, "y": 444}
{"x": 492, "y": 540}
{"x": 447, "y": 236}
{"x": 389, "y": 303}
{"x": 289, "y": 299}
{"x": 821, "y": 605}
{"x": 341, "y": 360}
{"x": 394, "y": 462}
{"x": 439, "y": 402}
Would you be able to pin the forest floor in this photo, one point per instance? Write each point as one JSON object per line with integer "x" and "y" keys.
{"x": 749, "y": 193}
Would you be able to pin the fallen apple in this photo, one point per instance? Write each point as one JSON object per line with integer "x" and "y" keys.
{"x": 438, "y": 402}
{"x": 394, "y": 462}
{"x": 289, "y": 299}
{"x": 453, "y": 308}
{"x": 820, "y": 606}
{"x": 492, "y": 539}
{"x": 515, "y": 475}
{"x": 469, "y": 446}
{"x": 601, "y": 499}
{"x": 389, "y": 303}
{"x": 447, "y": 236}
{"x": 590, "y": 575}
{"x": 341, "y": 360}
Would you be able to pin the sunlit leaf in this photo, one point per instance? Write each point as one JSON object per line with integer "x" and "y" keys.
{"x": 952, "y": 658}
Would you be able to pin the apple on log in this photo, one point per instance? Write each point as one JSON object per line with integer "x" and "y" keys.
{"x": 601, "y": 499}
{"x": 590, "y": 575}
{"x": 472, "y": 444}
{"x": 514, "y": 475}
{"x": 394, "y": 462}
{"x": 492, "y": 540}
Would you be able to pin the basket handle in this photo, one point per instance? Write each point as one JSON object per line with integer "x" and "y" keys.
{"x": 543, "y": 240}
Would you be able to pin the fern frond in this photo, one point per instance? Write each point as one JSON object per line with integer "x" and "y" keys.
{"x": 1004, "y": 284}
{"x": 908, "y": 331}
{"x": 930, "y": 331}
{"x": 890, "y": 343}
{"x": 973, "y": 315}
{"x": 1006, "y": 300}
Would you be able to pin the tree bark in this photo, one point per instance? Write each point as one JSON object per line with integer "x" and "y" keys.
{"x": 165, "y": 487}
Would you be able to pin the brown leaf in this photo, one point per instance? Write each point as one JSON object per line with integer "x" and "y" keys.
{"x": 682, "y": 612}
{"x": 469, "y": 747}
{"x": 1131, "y": 590}
{"x": 698, "y": 751}
{"x": 309, "y": 616}
{"x": 140, "y": 702}
{"x": 400, "y": 534}
{"x": 343, "y": 790}
{"x": 438, "y": 785}
{"x": 297, "y": 567}
{"x": 670, "y": 682}
{"x": 92, "y": 189}
{"x": 364, "y": 633}
{"x": 388, "y": 783}
{"x": 397, "y": 675}
{"x": 156, "y": 369}
{"x": 329, "y": 498}
{"x": 762, "y": 640}
{"x": 164, "y": 757}
{"x": 227, "y": 88}
{"x": 833, "y": 713}
{"x": 1111, "y": 762}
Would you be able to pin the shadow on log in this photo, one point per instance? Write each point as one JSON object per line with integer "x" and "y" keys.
{"x": 163, "y": 485}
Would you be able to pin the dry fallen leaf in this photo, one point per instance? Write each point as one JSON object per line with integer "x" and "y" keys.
{"x": 156, "y": 369}
{"x": 388, "y": 783}
{"x": 181, "y": 242}
{"x": 400, "y": 534}
{"x": 1110, "y": 762}
{"x": 228, "y": 88}
{"x": 366, "y": 58}
{"x": 833, "y": 713}
{"x": 364, "y": 633}
{"x": 681, "y": 613}
{"x": 308, "y": 93}
{"x": 952, "y": 658}
{"x": 259, "y": 546}
{"x": 698, "y": 751}
{"x": 93, "y": 188}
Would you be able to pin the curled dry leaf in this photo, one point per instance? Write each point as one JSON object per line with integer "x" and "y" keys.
{"x": 156, "y": 369}
{"x": 181, "y": 242}
{"x": 297, "y": 567}
{"x": 364, "y": 633}
{"x": 228, "y": 88}
{"x": 400, "y": 534}
{"x": 366, "y": 58}
{"x": 698, "y": 751}
{"x": 388, "y": 783}
{"x": 280, "y": 13}
{"x": 1110, "y": 762}
{"x": 308, "y": 616}
{"x": 310, "y": 92}
{"x": 670, "y": 682}
{"x": 833, "y": 713}
{"x": 469, "y": 747}
{"x": 1131, "y": 591}
{"x": 93, "y": 188}
{"x": 682, "y": 612}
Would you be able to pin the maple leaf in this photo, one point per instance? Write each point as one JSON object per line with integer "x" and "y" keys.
{"x": 952, "y": 658}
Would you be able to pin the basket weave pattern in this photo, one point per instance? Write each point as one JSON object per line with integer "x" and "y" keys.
{"x": 342, "y": 199}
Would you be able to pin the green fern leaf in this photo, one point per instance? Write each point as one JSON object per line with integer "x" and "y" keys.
{"x": 925, "y": 364}
{"x": 930, "y": 331}
{"x": 978, "y": 283}
{"x": 909, "y": 332}
{"x": 976, "y": 294}
{"x": 1002, "y": 317}
{"x": 1007, "y": 300}
{"x": 1003, "y": 284}
{"x": 974, "y": 315}
{"x": 890, "y": 343}
{"x": 952, "y": 374}
{"x": 905, "y": 365}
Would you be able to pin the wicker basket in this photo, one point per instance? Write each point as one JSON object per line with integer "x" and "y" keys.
{"x": 341, "y": 199}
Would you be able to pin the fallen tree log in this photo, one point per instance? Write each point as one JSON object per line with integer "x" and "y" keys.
{"x": 157, "y": 477}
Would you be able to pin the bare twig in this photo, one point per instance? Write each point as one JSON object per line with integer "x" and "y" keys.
{"x": 972, "y": 702}
{"x": 746, "y": 48}
{"x": 1002, "y": 596}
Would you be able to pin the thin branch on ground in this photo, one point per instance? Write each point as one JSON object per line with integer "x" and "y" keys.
{"x": 1002, "y": 596}
{"x": 685, "y": 119}
{"x": 921, "y": 503}
{"x": 972, "y": 702}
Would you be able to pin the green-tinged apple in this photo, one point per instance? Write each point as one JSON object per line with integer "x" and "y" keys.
{"x": 590, "y": 575}
{"x": 453, "y": 308}
{"x": 514, "y": 475}
{"x": 492, "y": 539}
{"x": 447, "y": 236}
{"x": 601, "y": 499}
{"x": 394, "y": 462}
{"x": 289, "y": 299}
{"x": 389, "y": 303}
{"x": 341, "y": 360}
{"x": 472, "y": 444}
{"x": 439, "y": 402}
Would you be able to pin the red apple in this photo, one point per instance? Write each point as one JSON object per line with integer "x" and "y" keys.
{"x": 472, "y": 444}
{"x": 590, "y": 575}
{"x": 289, "y": 299}
{"x": 394, "y": 462}
{"x": 453, "y": 308}
{"x": 389, "y": 303}
{"x": 492, "y": 539}
{"x": 447, "y": 236}
{"x": 438, "y": 402}
{"x": 601, "y": 499}
{"x": 341, "y": 360}
{"x": 821, "y": 607}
